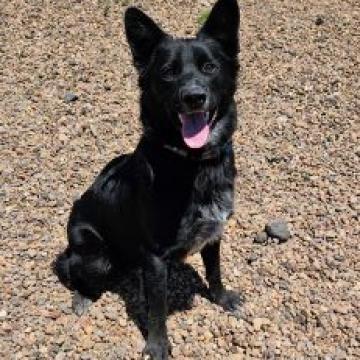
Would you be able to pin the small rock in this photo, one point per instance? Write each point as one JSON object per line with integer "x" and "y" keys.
{"x": 341, "y": 308}
{"x": 3, "y": 314}
{"x": 340, "y": 354}
{"x": 319, "y": 20}
{"x": 100, "y": 334}
{"x": 111, "y": 314}
{"x": 273, "y": 241}
{"x": 282, "y": 120}
{"x": 32, "y": 253}
{"x": 259, "y": 323}
{"x": 60, "y": 356}
{"x": 63, "y": 138}
{"x": 252, "y": 258}
{"x": 177, "y": 338}
{"x": 237, "y": 356}
{"x": 6, "y": 327}
{"x": 70, "y": 97}
{"x": 122, "y": 322}
{"x": 175, "y": 352}
{"x": 331, "y": 234}
{"x": 283, "y": 285}
{"x": 278, "y": 229}
{"x": 86, "y": 356}
{"x": 207, "y": 335}
{"x": 339, "y": 257}
{"x": 332, "y": 99}
{"x": 261, "y": 238}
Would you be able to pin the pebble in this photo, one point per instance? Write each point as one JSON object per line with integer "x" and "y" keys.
{"x": 260, "y": 323}
{"x": 340, "y": 354}
{"x": 339, "y": 258}
{"x": 283, "y": 285}
{"x": 238, "y": 356}
{"x": 61, "y": 356}
{"x": 122, "y": 322}
{"x": 261, "y": 238}
{"x": 278, "y": 229}
{"x": 3, "y": 314}
{"x": 252, "y": 258}
{"x": 319, "y": 20}
{"x": 111, "y": 313}
{"x": 341, "y": 308}
{"x": 70, "y": 97}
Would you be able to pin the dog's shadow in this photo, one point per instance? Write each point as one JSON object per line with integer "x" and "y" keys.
{"x": 183, "y": 284}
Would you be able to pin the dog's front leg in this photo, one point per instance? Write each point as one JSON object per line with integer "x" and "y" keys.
{"x": 228, "y": 299}
{"x": 155, "y": 284}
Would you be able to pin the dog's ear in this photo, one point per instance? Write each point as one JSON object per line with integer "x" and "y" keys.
{"x": 142, "y": 34}
{"x": 222, "y": 25}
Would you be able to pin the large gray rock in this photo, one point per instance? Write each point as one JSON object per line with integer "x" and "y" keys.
{"x": 278, "y": 229}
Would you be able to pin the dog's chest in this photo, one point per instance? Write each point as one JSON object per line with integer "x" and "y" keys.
{"x": 203, "y": 221}
{"x": 191, "y": 204}
{"x": 210, "y": 205}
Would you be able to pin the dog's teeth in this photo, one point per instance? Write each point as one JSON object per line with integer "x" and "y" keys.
{"x": 215, "y": 114}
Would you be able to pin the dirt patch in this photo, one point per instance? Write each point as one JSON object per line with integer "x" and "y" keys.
{"x": 297, "y": 154}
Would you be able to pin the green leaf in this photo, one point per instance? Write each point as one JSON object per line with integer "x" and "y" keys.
{"x": 203, "y": 17}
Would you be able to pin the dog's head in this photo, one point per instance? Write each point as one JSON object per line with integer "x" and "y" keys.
{"x": 187, "y": 85}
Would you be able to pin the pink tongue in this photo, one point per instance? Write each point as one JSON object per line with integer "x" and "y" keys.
{"x": 195, "y": 129}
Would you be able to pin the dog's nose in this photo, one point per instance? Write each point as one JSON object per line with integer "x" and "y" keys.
{"x": 194, "y": 98}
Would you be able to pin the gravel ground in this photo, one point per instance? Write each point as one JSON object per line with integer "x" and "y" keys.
{"x": 297, "y": 155}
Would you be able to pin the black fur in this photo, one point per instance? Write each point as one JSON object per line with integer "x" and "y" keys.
{"x": 165, "y": 200}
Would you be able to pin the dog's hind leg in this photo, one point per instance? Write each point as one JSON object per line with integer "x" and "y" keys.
{"x": 84, "y": 267}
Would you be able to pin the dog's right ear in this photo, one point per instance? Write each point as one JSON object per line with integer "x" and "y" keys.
{"x": 143, "y": 36}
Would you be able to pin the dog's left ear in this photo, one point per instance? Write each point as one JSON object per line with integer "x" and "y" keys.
{"x": 143, "y": 36}
{"x": 222, "y": 25}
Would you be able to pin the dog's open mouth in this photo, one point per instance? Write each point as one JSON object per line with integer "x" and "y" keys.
{"x": 196, "y": 127}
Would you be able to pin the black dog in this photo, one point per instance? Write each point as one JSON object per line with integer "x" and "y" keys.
{"x": 172, "y": 195}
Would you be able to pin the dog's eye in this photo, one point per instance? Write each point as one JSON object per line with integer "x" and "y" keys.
{"x": 168, "y": 72}
{"x": 209, "y": 68}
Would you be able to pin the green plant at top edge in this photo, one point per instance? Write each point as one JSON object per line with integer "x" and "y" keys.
{"x": 203, "y": 17}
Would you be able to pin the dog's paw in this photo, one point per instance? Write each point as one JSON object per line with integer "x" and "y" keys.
{"x": 229, "y": 300}
{"x": 80, "y": 304}
{"x": 158, "y": 350}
